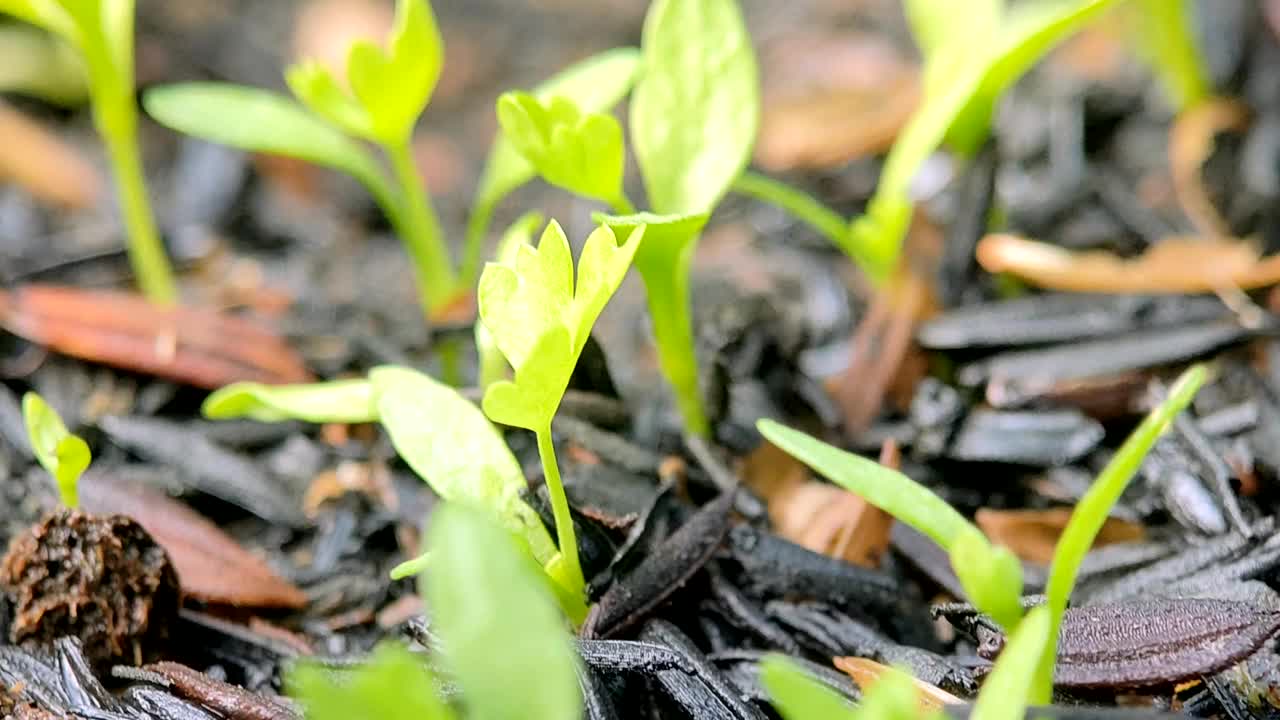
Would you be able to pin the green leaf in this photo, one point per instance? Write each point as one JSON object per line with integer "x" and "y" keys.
{"x": 63, "y": 455}
{"x": 1091, "y": 512}
{"x": 991, "y": 576}
{"x": 936, "y": 23}
{"x": 504, "y": 639}
{"x": 579, "y": 152}
{"x": 395, "y": 684}
{"x": 887, "y": 489}
{"x": 595, "y": 84}
{"x": 894, "y": 697}
{"x": 541, "y": 322}
{"x": 261, "y": 121}
{"x": 450, "y": 445}
{"x": 1007, "y": 690}
{"x": 315, "y": 86}
{"x": 664, "y": 261}
{"x": 48, "y": 14}
{"x": 796, "y": 696}
{"x": 492, "y": 365}
{"x": 417, "y": 57}
{"x": 336, "y": 401}
{"x": 696, "y": 108}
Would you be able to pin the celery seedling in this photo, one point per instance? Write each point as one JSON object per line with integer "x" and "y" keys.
{"x": 63, "y": 455}
{"x": 492, "y": 366}
{"x": 102, "y": 31}
{"x": 540, "y": 320}
{"x": 442, "y": 436}
{"x": 389, "y": 88}
{"x": 503, "y": 641}
{"x": 694, "y": 115}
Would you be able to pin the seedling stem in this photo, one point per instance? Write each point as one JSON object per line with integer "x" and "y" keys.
{"x": 437, "y": 281}
{"x": 565, "y": 536}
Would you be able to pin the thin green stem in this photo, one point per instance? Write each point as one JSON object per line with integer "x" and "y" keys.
{"x": 797, "y": 202}
{"x": 667, "y": 289}
{"x": 117, "y": 122}
{"x": 565, "y": 537}
{"x": 473, "y": 245}
{"x": 420, "y": 231}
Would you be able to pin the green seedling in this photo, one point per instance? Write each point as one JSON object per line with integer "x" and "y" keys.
{"x": 694, "y": 116}
{"x": 540, "y": 320}
{"x": 492, "y": 365}
{"x": 991, "y": 576}
{"x": 388, "y": 90}
{"x": 102, "y": 32}
{"x": 797, "y": 696}
{"x": 442, "y": 436}
{"x": 504, "y": 642}
{"x": 1007, "y": 691}
{"x": 63, "y": 455}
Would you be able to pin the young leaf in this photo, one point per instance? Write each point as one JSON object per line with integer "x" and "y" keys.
{"x": 63, "y": 455}
{"x": 504, "y": 640}
{"x": 580, "y": 152}
{"x": 219, "y": 112}
{"x": 664, "y": 261}
{"x": 595, "y": 84}
{"x": 1005, "y": 693}
{"x": 450, "y": 444}
{"x": 936, "y": 23}
{"x": 316, "y": 87}
{"x": 796, "y": 696}
{"x": 395, "y": 86}
{"x": 1092, "y": 510}
{"x": 493, "y": 367}
{"x": 336, "y": 401}
{"x": 887, "y": 489}
{"x": 394, "y": 684}
{"x": 696, "y": 108}
{"x": 991, "y": 577}
{"x": 894, "y": 697}
{"x": 541, "y": 321}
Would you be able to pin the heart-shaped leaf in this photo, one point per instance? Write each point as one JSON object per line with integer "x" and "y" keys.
{"x": 63, "y": 455}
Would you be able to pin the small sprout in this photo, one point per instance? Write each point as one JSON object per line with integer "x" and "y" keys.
{"x": 492, "y": 366}
{"x": 540, "y": 320}
{"x": 694, "y": 116}
{"x": 336, "y": 401}
{"x": 102, "y": 32}
{"x": 1092, "y": 511}
{"x": 388, "y": 91}
{"x": 393, "y": 684}
{"x": 579, "y": 152}
{"x": 991, "y": 576}
{"x": 63, "y": 455}
{"x": 796, "y": 696}
{"x": 504, "y": 640}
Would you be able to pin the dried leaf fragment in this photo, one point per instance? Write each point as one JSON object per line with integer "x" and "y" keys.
{"x": 1190, "y": 145}
{"x": 1175, "y": 265}
{"x": 866, "y": 673}
{"x": 211, "y": 565}
{"x": 44, "y": 164}
{"x": 197, "y": 346}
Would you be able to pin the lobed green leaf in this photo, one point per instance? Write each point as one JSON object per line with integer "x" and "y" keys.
{"x": 696, "y": 108}
{"x": 335, "y": 401}
{"x": 63, "y": 455}
{"x": 260, "y": 121}
{"x": 579, "y": 152}
{"x": 316, "y": 87}
{"x": 493, "y": 366}
{"x": 504, "y": 638}
{"x": 796, "y": 696}
{"x": 595, "y": 84}
{"x": 394, "y": 684}
{"x": 541, "y": 322}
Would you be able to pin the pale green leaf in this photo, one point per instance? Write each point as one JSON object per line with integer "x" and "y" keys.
{"x": 541, "y": 323}
{"x": 1007, "y": 690}
{"x": 336, "y": 401}
{"x": 315, "y": 86}
{"x": 417, "y": 58}
{"x": 63, "y": 455}
{"x": 937, "y": 23}
{"x": 580, "y": 152}
{"x": 1092, "y": 510}
{"x": 48, "y": 14}
{"x": 492, "y": 365}
{"x": 260, "y": 121}
{"x": 370, "y": 74}
{"x": 450, "y": 445}
{"x": 595, "y": 84}
{"x": 894, "y": 696}
{"x": 394, "y": 684}
{"x": 991, "y": 577}
{"x": 887, "y": 489}
{"x": 796, "y": 696}
{"x": 503, "y": 636}
{"x": 696, "y": 107}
